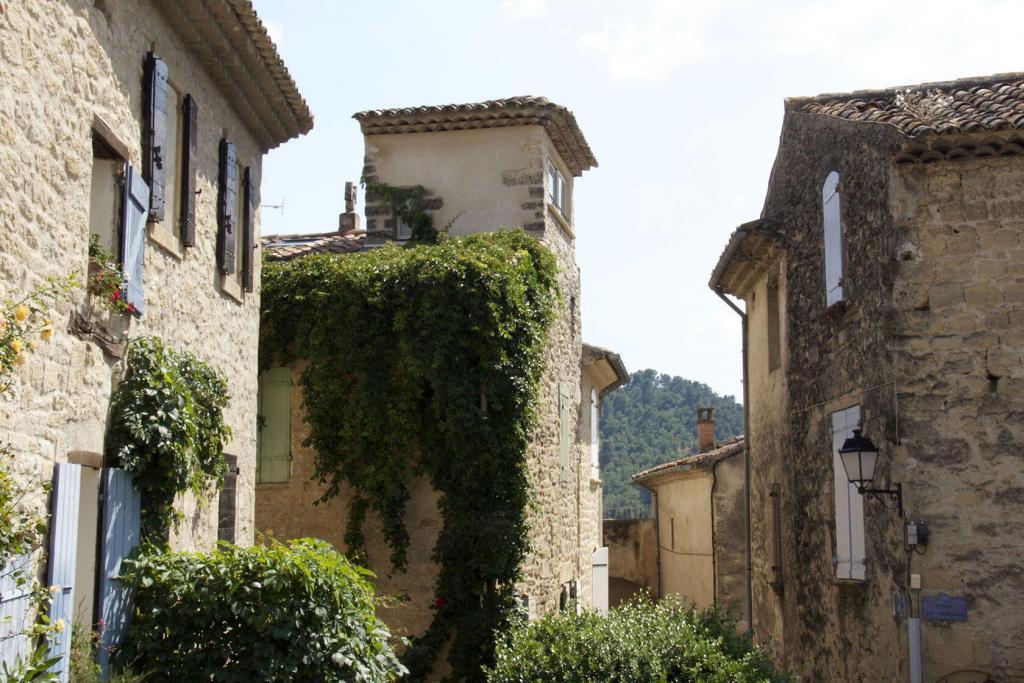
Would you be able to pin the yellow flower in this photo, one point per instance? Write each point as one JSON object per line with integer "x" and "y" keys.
{"x": 17, "y": 346}
{"x": 47, "y": 333}
{"x": 19, "y": 359}
{"x": 58, "y": 626}
{"x": 21, "y": 313}
{"x": 54, "y": 589}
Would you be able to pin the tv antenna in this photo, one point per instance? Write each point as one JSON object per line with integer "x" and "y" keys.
{"x": 274, "y": 206}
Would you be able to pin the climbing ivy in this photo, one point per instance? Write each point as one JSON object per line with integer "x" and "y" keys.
{"x": 408, "y": 205}
{"x": 167, "y": 429}
{"x": 426, "y": 359}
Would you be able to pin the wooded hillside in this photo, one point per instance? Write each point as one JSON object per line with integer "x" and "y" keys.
{"x": 653, "y": 419}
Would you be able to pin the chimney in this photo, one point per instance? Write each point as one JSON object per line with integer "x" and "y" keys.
{"x": 350, "y": 221}
{"x": 705, "y": 429}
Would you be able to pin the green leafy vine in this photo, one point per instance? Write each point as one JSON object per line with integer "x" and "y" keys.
{"x": 426, "y": 359}
{"x": 167, "y": 428}
{"x": 409, "y": 206}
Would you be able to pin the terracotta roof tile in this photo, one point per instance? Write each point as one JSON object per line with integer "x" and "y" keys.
{"x": 990, "y": 103}
{"x": 724, "y": 450}
{"x": 557, "y": 120}
{"x": 287, "y": 247}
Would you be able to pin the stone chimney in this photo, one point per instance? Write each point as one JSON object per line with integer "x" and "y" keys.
{"x": 705, "y": 429}
{"x": 349, "y": 221}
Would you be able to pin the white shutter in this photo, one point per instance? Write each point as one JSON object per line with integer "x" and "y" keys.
{"x": 849, "y": 504}
{"x": 133, "y": 235}
{"x": 274, "y": 438}
{"x": 833, "y": 239}
{"x": 595, "y": 436}
{"x": 63, "y": 552}
{"x": 599, "y": 576}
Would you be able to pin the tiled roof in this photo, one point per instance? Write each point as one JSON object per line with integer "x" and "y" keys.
{"x": 558, "y": 121}
{"x": 233, "y": 45}
{"x": 287, "y": 247}
{"x": 987, "y": 104}
{"x": 724, "y": 450}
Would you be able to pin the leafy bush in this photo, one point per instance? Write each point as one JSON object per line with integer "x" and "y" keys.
{"x": 640, "y": 642}
{"x": 295, "y": 612}
{"x": 167, "y": 428}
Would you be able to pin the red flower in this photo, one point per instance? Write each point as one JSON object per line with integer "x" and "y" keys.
{"x": 131, "y": 308}
{"x": 115, "y": 296}
{"x": 439, "y": 603}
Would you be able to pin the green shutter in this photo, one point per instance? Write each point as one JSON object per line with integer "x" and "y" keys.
{"x": 275, "y": 433}
{"x": 565, "y": 399}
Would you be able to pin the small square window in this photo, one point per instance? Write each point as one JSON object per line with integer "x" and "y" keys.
{"x": 403, "y": 231}
{"x": 557, "y": 191}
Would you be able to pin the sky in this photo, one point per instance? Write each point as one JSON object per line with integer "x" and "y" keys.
{"x": 681, "y": 102}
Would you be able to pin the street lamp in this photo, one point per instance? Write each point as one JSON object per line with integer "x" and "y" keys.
{"x": 859, "y": 456}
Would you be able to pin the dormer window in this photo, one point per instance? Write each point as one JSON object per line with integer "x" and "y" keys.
{"x": 557, "y": 190}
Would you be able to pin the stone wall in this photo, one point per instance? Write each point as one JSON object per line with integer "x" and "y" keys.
{"x": 928, "y": 343}
{"x": 61, "y": 65}
{"x": 632, "y": 558}
{"x": 728, "y": 535}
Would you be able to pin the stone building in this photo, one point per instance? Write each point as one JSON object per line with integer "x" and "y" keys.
{"x": 693, "y": 545}
{"x": 120, "y": 120}
{"x": 884, "y": 288}
{"x": 484, "y": 167}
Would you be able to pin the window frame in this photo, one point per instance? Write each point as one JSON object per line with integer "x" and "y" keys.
{"x": 557, "y": 188}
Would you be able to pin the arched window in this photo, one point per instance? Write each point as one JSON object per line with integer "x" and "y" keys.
{"x": 833, "y": 239}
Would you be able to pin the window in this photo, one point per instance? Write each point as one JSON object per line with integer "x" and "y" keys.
{"x": 833, "y": 239}
{"x": 274, "y": 432}
{"x": 565, "y": 402}
{"x": 849, "y": 557}
{"x": 557, "y": 189}
{"x": 774, "y": 325}
{"x": 776, "y": 500}
{"x": 595, "y": 436}
{"x": 403, "y": 230}
{"x": 228, "y": 501}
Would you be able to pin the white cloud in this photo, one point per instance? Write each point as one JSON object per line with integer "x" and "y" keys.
{"x": 276, "y": 31}
{"x": 518, "y": 10}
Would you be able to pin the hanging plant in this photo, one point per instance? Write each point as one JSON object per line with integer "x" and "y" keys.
{"x": 106, "y": 279}
{"x": 426, "y": 359}
{"x": 167, "y": 429}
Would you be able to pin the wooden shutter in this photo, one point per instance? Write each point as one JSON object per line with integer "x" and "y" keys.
{"x": 849, "y": 504}
{"x": 63, "y": 551}
{"x": 833, "y": 239}
{"x": 15, "y": 609}
{"x": 595, "y": 435}
{"x": 155, "y": 149}
{"x": 227, "y": 208}
{"x": 599, "y": 578}
{"x": 248, "y": 230}
{"x": 133, "y": 236}
{"x": 119, "y": 536}
{"x": 227, "y": 504}
{"x": 189, "y": 159}
{"x": 274, "y": 438}
{"x": 564, "y": 405}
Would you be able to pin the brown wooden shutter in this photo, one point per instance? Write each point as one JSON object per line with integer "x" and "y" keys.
{"x": 189, "y": 157}
{"x": 248, "y": 230}
{"x": 156, "y": 134}
{"x": 227, "y": 208}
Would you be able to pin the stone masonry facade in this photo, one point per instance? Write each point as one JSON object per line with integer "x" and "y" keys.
{"x": 66, "y": 68}
{"x": 929, "y": 343}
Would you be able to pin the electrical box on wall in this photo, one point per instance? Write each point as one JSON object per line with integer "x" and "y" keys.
{"x": 917, "y": 533}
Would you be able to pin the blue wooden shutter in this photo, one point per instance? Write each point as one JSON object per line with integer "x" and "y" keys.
{"x": 189, "y": 159}
{"x": 133, "y": 236}
{"x": 63, "y": 551}
{"x": 120, "y": 535}
{"x": 155, "y": 150}
{"x": 227, "y": 208}
{"x": 15, "y": 603}
{"x": 833, "y": 239}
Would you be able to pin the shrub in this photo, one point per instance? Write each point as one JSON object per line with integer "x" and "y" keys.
{"x": 640, "y": 642}
{"x": 295, "y": 612}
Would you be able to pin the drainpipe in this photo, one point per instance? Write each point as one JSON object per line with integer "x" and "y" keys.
{"x": 657, "y": 537}
{"x": 746, "y": 464}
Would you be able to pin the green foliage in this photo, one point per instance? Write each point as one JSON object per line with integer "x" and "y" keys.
{"x": 167, "y": 428}
{"x": 23, "y": 320}
{"x": 106, "y": 278}
{"x": 651, "y": 420}
{"x": 639, "y": 642}
{"x": 35, "y": 668}
{"x": 408, "y": 206}
{"x": 426, "y": 359}
{"x": 295, "y": 612}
